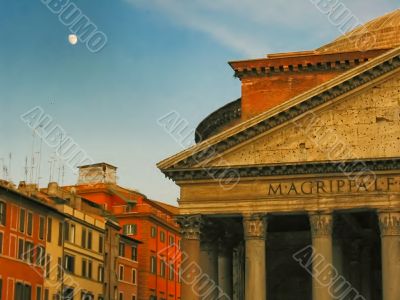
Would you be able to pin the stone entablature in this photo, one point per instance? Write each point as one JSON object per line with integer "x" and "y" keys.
{"x": 378, "y": 190}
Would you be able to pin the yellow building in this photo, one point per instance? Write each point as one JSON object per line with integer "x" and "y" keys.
{"x": 76, "y": 248}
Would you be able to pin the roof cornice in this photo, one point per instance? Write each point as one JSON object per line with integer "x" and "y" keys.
{"x": 352, "y": 80}
{"x": 327, "y": 167}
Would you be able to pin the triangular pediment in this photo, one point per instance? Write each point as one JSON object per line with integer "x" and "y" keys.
{"x": 360, "y": 107}
{"x": 362, "y": 126}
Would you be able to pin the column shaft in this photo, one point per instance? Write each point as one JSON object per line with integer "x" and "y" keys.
{"x": 321, "y": 230}
{"x": 255, "y": 229}
{"x": 190, "y": 266}
{"x": 390, "y": 238}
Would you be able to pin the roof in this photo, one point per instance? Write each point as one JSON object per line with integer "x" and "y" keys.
{"x": 169, "y": 208}
{"x": 98, "y": 165}
{"x": 379, "y": 33}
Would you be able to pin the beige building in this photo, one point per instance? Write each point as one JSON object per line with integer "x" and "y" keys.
{"x": 79, "y": 267}
{"x": 293, "y": 191}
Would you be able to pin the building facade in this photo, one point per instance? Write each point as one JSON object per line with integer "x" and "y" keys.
{"x": 22, "y": 244}
{"x": 151, "y": 222}
{"x": 127, "y": 265}
{"x": 292, "y": 191}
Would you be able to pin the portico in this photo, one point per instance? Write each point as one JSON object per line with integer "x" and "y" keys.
{"x": 293, "y": 190}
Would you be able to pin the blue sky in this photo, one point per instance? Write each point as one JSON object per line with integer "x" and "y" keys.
{"x": 161, "y": 56}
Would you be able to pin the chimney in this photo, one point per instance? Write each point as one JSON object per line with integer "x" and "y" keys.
{"x": 28, "y": 188}
{"x": 52, "y": 189}
{"x": 97, "y": 173}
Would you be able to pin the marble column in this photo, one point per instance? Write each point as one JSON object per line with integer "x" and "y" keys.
{"x": 255, "y": 231}
{"x": 389, "y": 223}
{"x": 225, "y": 265}
{"x": 321, "y": 232}
{"x": 191, "y": 270}
{"x": 209, "y": 262}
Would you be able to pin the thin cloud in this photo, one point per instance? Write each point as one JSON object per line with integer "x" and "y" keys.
{"x": 250, "y": 27}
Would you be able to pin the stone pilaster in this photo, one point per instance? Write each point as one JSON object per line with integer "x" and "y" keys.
{"x": 389, "y": 223}
{"x": 191, "y": 266}
{"x": 255, "y": 231}
{"x": 321, "y": 231}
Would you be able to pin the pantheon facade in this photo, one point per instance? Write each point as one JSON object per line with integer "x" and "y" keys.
{"x": 292, "y": 191}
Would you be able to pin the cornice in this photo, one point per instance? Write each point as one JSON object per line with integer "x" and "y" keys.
{"x": 343, "y": 84}
{"x": 331, "y": 167}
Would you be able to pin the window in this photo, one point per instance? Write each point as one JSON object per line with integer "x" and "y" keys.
{"x": 60, "y": 233}
{"x": 121, "y": 296}
{"x": 3, "y": 213}
{"x": 49, "y": 226}
{"x": 153, "y": 232}
{"x": 171, "y": 240}
{"x": 121, "y": 272}
{"x": 101, "y": 244}
{"x": 133, "y": 297}
{"x": 28, "y": 252}
{"x": 22, "y": 291}
{"x": 162, "y": 236}
{"x": 66, "y": 231}
{"x": 40, "y": 256}
{"x": 68, "y": 293}
{"x": 1, "y": 288}
{"x": 153, "y": 265}
{"x": 86, "y": 296}
{"x": 134, "y": 253}
{"x": 171, "y": 271}
{"x": 38, "y": 293}
{"x": 90, "y": 269}
{"x": 122, "y": 249}
{"x": 83, "y": 241}
{"x": 22, "y": 220}
{"x": 1, "y": 244}
{"x": 30, "y": 224}
{"x": 130, "y": 229}
{"x": 59, "y": 268}
{"x": 162, "y": 268}
{"x": 84, "y": 268}
{"x": 21, "y": 249}
{"x": 69, "y": 263}
{"x": 46, "y": 294}
{"x": 48, "y": 261}
{"x": 72, "y": 234}
{"x": 133, "y": 276}
{"x": 90, "y": 239}
{"x": 101, "y": 273}
{"x": 41, "y": 228}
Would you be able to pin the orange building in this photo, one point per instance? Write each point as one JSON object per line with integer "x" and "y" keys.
{"x": 148, "y": 221}
{"x": 23, "y": 235}
{"x": 127, "y": 268}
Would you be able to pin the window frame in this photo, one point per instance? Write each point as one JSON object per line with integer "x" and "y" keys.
{"x": 29, "y": 223}
{"x": 22, "y": 221}
{"x": 121, "y": 268}
{"x": 134, "y": 276}
{"x": 42, "y": 228}
{"x": 3, "y": 213}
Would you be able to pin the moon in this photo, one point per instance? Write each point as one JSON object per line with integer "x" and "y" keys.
{"x": 72, "y": 39}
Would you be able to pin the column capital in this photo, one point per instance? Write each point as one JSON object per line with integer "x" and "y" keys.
{"x": 255, "y": 226}
{"x": 191, "y": 226}
{"x": 389, "y": 223}
{"x": 321, "y": 224}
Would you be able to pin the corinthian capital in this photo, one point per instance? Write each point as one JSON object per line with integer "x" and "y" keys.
{"x": 190, "y": 226}
{"x": 389, "y": 223}
{"x": 255, "y": 227}
{"x": 321, "y": 224}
